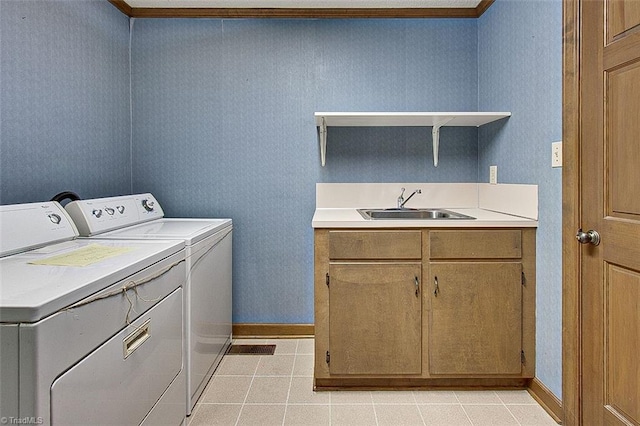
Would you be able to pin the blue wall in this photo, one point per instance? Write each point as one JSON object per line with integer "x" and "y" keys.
{"x": 520, "y": 70}
{"x": 223, "y": 124}
{"x": 223, "y": 115}
{"x": 64, "y": 100}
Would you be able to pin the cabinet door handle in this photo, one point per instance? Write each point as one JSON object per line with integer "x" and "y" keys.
{"x": 417, "y": 283}
{"x": 437, "y": 289}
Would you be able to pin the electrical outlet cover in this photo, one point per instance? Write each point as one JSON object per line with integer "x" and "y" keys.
{"x": 556, "y": 154}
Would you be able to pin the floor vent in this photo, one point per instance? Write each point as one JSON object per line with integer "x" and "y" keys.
{"x": 251, "y": 350}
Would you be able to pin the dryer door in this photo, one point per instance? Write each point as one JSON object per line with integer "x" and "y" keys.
{"x": 122, "y": 380}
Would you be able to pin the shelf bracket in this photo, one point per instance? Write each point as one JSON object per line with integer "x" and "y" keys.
{"x": 435, "y": 135}
{"x": 322, "y": 137}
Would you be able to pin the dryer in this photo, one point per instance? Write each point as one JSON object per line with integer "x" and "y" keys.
{"x": 90, "y": 330}
{"x": 208, "y": 282}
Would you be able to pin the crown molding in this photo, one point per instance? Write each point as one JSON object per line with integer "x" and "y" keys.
{"x": 301, "y": 13}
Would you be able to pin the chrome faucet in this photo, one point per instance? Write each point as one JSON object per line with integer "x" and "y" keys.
{"x": 401, "y": 199}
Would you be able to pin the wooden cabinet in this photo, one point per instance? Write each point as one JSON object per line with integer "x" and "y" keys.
{"x": 375, "y": 318}
{"x": 374, "y": 245}
{"x": 424, "y": 307}
{"x": 480, "y": 310}
{"x": 475, "y": 322}
{"x": 375, "y": 310}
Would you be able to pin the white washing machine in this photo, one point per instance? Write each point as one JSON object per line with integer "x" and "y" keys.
{"x": 90, "y": 330}
{"x": 208, "y": 288}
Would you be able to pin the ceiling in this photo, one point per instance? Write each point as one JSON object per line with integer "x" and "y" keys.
{"x": 302, "y": 8}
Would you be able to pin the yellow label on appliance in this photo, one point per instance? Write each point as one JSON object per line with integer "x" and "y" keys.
{"x": 88, "y": 255}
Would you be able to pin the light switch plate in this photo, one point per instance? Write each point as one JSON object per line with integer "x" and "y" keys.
{"x": 556, "y": 154}
{"x": 493, "y": 175}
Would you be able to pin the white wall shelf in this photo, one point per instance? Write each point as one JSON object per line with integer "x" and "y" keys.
{"x": 436, "y": 120}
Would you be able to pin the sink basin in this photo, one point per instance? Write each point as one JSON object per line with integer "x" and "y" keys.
{"x": 404, "y": 214}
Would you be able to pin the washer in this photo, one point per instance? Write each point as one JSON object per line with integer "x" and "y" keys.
{"x": 91, "y": 329}
{"x": 208, "y": 288}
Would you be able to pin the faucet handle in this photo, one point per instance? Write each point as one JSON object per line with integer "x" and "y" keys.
{"x": 401, "y": 199}
{"x": 401, "y": 196}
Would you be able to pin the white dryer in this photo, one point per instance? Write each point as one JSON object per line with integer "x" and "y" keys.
{"x": 90, "y": 330}
{"x": 208, "y": 288}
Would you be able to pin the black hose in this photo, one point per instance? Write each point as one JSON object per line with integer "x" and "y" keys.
{"x": 66, "y": 195}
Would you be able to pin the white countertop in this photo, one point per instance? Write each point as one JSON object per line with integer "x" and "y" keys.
{"x": 350, "y": 218}
{"x": 514, "y": 206}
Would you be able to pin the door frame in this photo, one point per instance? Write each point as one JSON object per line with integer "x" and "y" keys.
{"x": 571, "y": 213}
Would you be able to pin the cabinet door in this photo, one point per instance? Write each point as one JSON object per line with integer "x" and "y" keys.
{"x": 475, "y": 326}
{"x": 375, "y": 318}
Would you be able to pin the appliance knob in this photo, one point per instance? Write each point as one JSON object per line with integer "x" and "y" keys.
{"x": 148, "y": 205}
{"x": 120, "y": 209}
{"x": 97, "y": 212}
{"x": 55, "y": 218}
{"x": 109, "y": 210}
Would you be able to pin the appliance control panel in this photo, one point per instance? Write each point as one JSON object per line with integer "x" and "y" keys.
{"x": 32, "y": 225}
{"x": 99, "y": 215}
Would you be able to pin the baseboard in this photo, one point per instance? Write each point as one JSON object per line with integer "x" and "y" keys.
{"x": 546, "y": 399}
{"x": 273, "y": 331}
{"x": 418, "y": 383}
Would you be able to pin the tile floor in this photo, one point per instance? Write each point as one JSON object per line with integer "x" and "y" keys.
{"x": 277, "y": 390}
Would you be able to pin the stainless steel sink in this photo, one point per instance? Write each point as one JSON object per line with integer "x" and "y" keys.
{"x": 404, "y": 214}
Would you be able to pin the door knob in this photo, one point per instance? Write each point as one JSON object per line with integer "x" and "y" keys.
{"x": 589, "y": 237}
